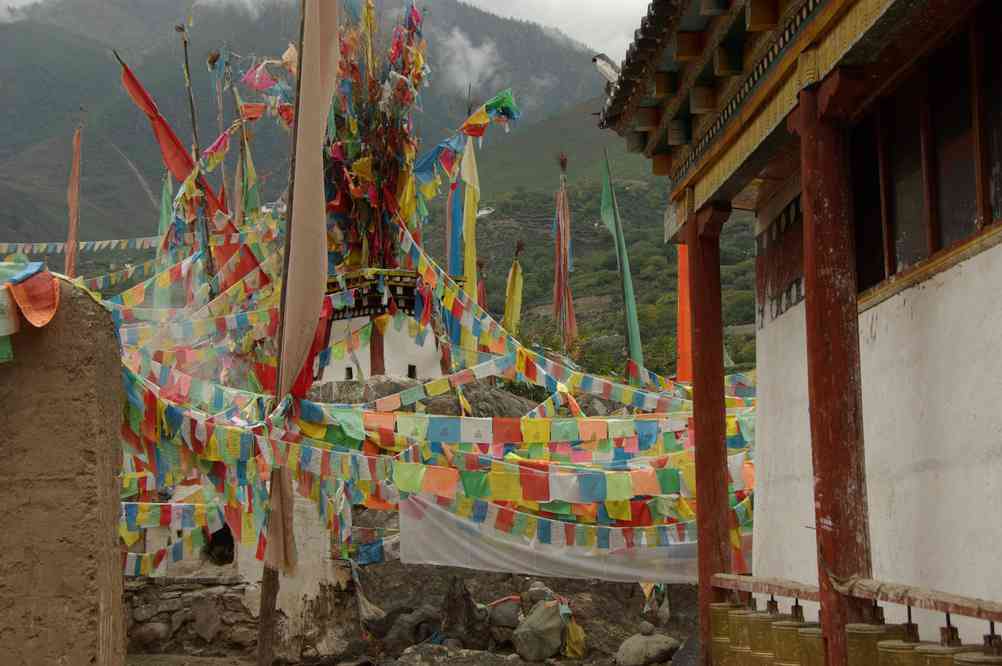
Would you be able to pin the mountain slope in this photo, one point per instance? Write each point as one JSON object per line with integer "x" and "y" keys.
{"x": 469, "y": 50}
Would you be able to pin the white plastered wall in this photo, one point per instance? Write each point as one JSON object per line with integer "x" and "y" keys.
{"x": 932, "y": 421}
{"x": 400, "y": 350}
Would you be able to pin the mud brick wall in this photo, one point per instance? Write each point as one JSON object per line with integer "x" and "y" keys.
{"x": 60, "y": 567}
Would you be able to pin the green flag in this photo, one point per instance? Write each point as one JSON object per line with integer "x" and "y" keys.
{"x": 612, "y": 221}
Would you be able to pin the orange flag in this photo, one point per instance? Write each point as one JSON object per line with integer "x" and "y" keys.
{"x": 73, "y": 203}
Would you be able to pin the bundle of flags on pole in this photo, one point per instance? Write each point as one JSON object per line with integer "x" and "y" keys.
{"x": 563, "y": 263}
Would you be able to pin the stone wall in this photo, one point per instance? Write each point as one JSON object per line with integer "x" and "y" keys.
{"x": 60, "y": 566}
{"x": 202, "y": 609}
{"x": 195, "y": 616}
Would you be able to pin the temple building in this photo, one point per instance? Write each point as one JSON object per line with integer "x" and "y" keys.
{"x": 866, "y": 138}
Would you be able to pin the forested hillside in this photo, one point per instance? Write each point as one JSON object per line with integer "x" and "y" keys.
{"x": 527, "y": 215}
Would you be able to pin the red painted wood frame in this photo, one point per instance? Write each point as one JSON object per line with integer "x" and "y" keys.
{"x": 833, "y": 370}
{"x": 702, "y": 236}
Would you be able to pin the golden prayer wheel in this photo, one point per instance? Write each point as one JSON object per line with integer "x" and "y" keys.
{"x": 740, "y": 656}
{"x": 786, "y": 642}
{"x": 895, "y": 653}
{"x": 895, "y": 632}
{"x": 719, "y": 626}
{"x": 861, "y": 643}
{"x": 762, "y": 659}
{"x": 738, "y": 625}
{"x": 760, "y": 630}
{"x": 720, "y": 650}
{"x": 812, "y": 647}
{"x": 933, "y": 654}
{"x": 966, "y": 658}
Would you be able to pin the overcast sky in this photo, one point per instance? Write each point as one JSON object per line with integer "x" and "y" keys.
{"x": 605, "y": 25}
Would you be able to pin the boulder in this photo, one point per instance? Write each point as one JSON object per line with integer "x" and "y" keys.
{"x": 412, "y": 628}
{"x": 641, "y": 650}
{"x": 646, "y": 628}
{"x": 502, "y": 635}
{"x": 463, "y": 618}
{"x": 506, "y": 613}
{"x": 538, "y": 592}
{"x": 151, "y": 633}
{"x": 664, "y": 613}
{"x": 540, "y": 635}
{"x": 179, "y": 619}
{"x": 205, "y": 619}
{"x": 144, "y": 612}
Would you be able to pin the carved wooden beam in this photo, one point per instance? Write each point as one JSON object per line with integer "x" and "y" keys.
{"x": 703, "y": 99}
{"x": 665, "y": 84}
{"x": 713, "y": 7}
{"x": 762, "y": 15}
{"x": 715, "y": 34}
{"x": 661, "y": 164}
{"x": 679, "y": 131}
{"x": 689, "y": 46}
{"x": 727, "y": 60}
{"x": 646, "y": 119}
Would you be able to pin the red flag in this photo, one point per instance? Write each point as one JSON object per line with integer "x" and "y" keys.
{"x": 175, "y": 155}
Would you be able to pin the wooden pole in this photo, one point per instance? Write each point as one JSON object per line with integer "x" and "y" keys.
{"x": 833, "y": 373}
{"x": 702, "y": 236}
{"x": 269, "y": 580}
{"x": 377, "y": 350}
{"x": 197, "y": 146}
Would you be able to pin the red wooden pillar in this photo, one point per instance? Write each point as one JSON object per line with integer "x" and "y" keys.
{"x": 702, "y": 238}
{"x": 841, "y": 517}
{"x": 683, "y": 341}
{"x": 377, "y": 351}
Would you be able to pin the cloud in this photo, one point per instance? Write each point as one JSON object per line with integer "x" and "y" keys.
{"x": 464, "y": 64}
{"x": 604, "y": 25}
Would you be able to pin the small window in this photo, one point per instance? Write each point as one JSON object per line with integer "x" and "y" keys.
{"x": 905, "y": 159}
{"x": 349, "y": 374}
{"x": 412, "y": 371}
{"x": 953, "y": 140}
{"x": 991, "y": 22}
{"x": 866, "y": 202}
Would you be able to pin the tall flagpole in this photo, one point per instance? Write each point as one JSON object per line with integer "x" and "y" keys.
{"x": 269, "y": 579}
{"x": 183, "y": 31}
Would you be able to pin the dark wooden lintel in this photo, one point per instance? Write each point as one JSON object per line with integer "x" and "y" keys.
{"x": 661, "y": 164}
{"x": 689, "y": 45}
{"x": 841, "y": 94}
{"x": 762, "y": 15}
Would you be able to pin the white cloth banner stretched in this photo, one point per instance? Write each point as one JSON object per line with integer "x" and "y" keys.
{"x": 431, "y": 535}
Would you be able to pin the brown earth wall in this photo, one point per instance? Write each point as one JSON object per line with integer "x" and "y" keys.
{"x": 60, "y": 568}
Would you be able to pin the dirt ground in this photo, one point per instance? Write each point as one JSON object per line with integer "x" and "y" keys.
{"x": 167, "y": 660}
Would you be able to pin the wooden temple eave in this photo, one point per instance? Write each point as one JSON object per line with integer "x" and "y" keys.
{"x": 876, "y": 37}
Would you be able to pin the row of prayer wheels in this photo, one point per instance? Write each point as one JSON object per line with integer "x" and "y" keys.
{"x": 745, "y": 637}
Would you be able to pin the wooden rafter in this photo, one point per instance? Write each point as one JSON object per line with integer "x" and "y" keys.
{"x": 687, "y": 77}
